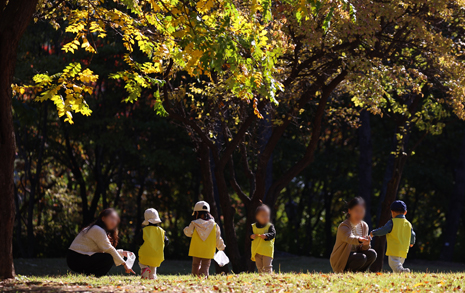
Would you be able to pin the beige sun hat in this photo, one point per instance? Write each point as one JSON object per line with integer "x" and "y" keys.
{"x": 151, "y": 216}
{"x": 201, "y": 206}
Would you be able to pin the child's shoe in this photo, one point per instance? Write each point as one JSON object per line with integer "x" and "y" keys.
{"x": 146, "y": 273}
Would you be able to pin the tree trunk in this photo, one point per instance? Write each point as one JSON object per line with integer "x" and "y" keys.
{"x": 35, "y": 185}
{"x": 456, "y": 205}
{"x": 203, "y": 155}
{"x": 365, "y": 163}
{"x": 139, "y": 216}
{"x": 328, "y": 200}
{"x": 391, "y": 194}
{"x": 119, "y": 182}
{"x": 19, "y": 232}
{"x": 387, "y": 177}
{"x": 232, "y": 247}
{"x": 14, "y": 18}
{"x": 76, "y": 169}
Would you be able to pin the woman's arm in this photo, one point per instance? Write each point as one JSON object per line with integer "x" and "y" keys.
{"x": 366, "y": 245}
{"x": 99, "y": 236}
{"x": 345, "y": 234}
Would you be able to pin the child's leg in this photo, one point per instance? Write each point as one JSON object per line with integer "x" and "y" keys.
{"x": 205, "y": 267}
{"x": 259, "y": 262}
{"x": 145, "y": 271}
{"x": 397, "y": 264}
{"x": 196, "y": 265}
{"x": 154, "y": 273}
{"x": 267, "y": 266}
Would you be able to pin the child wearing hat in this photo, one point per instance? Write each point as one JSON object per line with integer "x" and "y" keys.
{"x": 206, "y": 238}
{"x": 153, "y": 241}
{"x": 399, "y": 235}
{"x": 263, "y": 235}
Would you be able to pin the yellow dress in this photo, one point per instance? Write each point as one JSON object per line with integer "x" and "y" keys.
{"x": 260, "y": 246}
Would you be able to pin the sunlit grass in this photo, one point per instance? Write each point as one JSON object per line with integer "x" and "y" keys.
{"x": 369, "y": 282}
{"x": 298, "y": 274}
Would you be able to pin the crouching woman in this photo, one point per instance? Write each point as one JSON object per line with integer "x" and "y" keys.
{"x": 93, "y": 250}
{"x": 352, "y": 251}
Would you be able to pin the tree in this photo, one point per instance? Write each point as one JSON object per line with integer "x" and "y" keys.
{"x": 220, "y": 67}
{"x": 14, "y": 18}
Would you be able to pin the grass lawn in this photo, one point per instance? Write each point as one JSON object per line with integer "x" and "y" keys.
{"x": 297, "y": 274}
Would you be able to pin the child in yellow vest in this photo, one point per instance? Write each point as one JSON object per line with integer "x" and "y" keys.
{"x": 206, "y": 238}
{"x": 153, "y": 240}
{"x": 399, "y": 235}
{"x": 262, "y": 236}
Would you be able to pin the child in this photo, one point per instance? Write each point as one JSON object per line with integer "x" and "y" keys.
{"x": 153, "y": 242}
{"x": 206, "y": 237}
{"x": 399, "y": 236}
{"x": 263, "y": 235}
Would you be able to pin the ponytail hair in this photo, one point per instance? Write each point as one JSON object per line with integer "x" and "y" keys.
{"x": 353, "y": 203}
{"x": 262, "y": 208}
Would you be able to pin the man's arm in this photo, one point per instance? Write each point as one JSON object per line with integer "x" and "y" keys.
{"x": 383, "y": 230}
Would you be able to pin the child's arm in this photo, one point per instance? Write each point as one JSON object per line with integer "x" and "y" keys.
{"x": 382, "y": 230}
{"x": 413, "y": 238}
{"x": 189, "y": 230}
{"x": 167, "y": 241}
{"x": 251, "y": 233}
{"x": 219, "y": 241}
{"x": 271, "y": 234}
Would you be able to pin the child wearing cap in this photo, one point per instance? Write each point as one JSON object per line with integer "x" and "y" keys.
{"x": 263, "y": 235}
{"x": 399, "y": 235}
{"x": 153, "y": 241}
{"x": 206, "y": 238}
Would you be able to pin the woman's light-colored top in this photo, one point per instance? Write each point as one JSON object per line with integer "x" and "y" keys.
{"x": 95, "y": 240}
{"x": 343, "y": 246}
{"x": 357, "y": 231}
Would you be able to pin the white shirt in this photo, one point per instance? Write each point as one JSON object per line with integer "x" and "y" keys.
{"x": 204, "y": 228}
{"x": 95, "y": 240}
{"x": 357, "y": 231}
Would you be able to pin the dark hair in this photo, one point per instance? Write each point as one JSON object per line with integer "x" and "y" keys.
{"x": 262, "y": 208}
{"x": 203, "y": 215}
{"x": 353, "y": 203}
{"x": 112, "y": 234}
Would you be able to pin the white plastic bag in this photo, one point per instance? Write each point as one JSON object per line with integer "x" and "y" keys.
{"x": 131, "y": 259}
{"x": 221, "y": 258}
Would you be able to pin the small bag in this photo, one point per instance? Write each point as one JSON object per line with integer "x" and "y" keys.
{"x": 221, "y": 258}
{"x": 131, "y": 259}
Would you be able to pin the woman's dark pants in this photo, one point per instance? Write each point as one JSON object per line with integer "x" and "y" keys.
{"x": 360, "y": 261}
{"x": 97, "y": 264}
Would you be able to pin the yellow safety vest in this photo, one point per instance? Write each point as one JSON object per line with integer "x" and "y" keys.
{"x": 151, "y": 252}
{"x": 203, "y": 249}
{"x": 398, "y": 240}
{"x": 260, "y": 246}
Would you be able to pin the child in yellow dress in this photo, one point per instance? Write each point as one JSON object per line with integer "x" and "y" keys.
{"x": 151, "y": 253}
{"x": 263, "y": 235}
{"x": 206, "y": 238}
